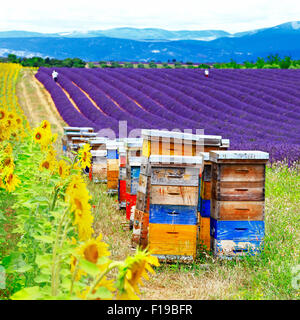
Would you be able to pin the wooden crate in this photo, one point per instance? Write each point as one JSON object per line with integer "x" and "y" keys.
{"x": 122, "y": 173}
{"x": 178, "y": 240}
{"x": 237, "y": 229}
{"x": 143, "y": 194}
{"x": 112, "y": 154}
{"x": 130, "y": 202}
{"x": 174, "y": 195}
{"x": 140, "y": 229}
{"x": 122, "y": 193}
{"x": 113, "y": 185}
{"x": 238, "y": 191}
{"x": 205, "y": 190}
{"x": 205, "y": 208}
{"x": 204, "y": 232}
{"x": 112, "y": 165}
{"x": 160, "y": 142}
{"x": 132, "y": 179}
{"x": 172, "y": 214}
{"x": 228, "y": 249}
{"x": 237, "y": 210}
{"x": 178, "y": 176}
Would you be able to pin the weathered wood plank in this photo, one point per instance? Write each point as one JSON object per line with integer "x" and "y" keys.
{"x": 238, "y": 172}
{"x": 238, "y": 191}
{"x": 176, "y": 195}
{"x": 235, "y": 248}
{"x": 175, "y": 176}
{"x": 205, "y": 208}
{"x": 172, "y": 239}
{"x": 112, "y": 164}
{"x": 237, "y": 230}
{"x": 204, "y": 232}
{"x": 237, "y": 210}
{"x": 170, "y": 214}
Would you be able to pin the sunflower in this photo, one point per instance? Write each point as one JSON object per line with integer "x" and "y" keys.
{"x": 8, "y": 162}
{"x": 85, "y": 156}
{"x": 2, "y": 114}
{"x": 77, "y": 184}
{"x": 40, "y": 136}
{"x": 93, "y": 249}
{"x": 63, "y": 169}
{"x": 134, "y": 270}
{"x": 45, "y": 125}
{"x": 8, "y": 149}
{"x": 11, "y": 181}
{"x": 48, "y": 164}
{"x": 82, "y": 216}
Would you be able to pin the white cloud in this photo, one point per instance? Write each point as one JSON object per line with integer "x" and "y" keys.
{"x": 69, "y": 15}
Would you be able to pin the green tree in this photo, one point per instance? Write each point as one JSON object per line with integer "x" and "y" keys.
{"x": 285, "y": 62}
{"x": 260, "y": 62}
{"x": 12, "y": 58}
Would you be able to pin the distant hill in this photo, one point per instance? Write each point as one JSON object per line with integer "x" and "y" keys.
{"x": 283, "y": 39}
{"x": 125, "y": 33}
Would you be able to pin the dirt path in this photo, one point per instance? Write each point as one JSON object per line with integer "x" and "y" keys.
{"x": 37, "y": 103}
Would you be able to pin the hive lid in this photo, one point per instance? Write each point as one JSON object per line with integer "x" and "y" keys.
{"x": 98, "y": 140}
{"x": 99, "y": 153}
{"x": 133, "y": 142}
{"x": 165, "y": 159}
{"x": 204, "y": 155}
{"x": 225, "y": 143}
{"x": 214, "y": 156}
{"x": 78, "y": 129}
{"x": 135, "y": 161}
{"x": 113, "y": 144}
{"x": 200, "y": 138}
{"x": 81, "y": 133}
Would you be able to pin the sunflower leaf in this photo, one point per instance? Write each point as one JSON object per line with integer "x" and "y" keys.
{"x": 88, "y": 267}
{"x": 102, "y": 293}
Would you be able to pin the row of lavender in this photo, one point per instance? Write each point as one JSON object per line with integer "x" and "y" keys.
{"x": 255, "y": 109}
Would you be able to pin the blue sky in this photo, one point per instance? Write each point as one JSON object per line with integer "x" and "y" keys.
{"x": 69, "y": 15}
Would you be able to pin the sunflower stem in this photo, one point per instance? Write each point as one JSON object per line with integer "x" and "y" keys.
{"x": 102, "y": 275}
{"x": 54, "y": 199}
{"x": 54, "y": 256}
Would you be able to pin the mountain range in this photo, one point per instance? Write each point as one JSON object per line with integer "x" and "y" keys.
{"x": 132, "y": 44}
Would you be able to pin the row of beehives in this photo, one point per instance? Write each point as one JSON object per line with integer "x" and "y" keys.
{"x": 175, "y": 208}
{"x": 215, "y": 198}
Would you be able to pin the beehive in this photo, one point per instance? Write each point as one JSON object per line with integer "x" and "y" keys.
{"x": 173, "y": 206}
{"x": 113, "y": 166}
{"x": 159, "y": 142}
{"x": 238, "y": 194}
{"x": 99, "y": 165}
{"x": 122, "y": 177}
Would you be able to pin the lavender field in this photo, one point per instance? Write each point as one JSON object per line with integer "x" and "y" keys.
{"x": 255, "y": 109}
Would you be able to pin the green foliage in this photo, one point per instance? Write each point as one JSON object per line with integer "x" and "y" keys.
{"x": 152, "y": 65}
{"x": 128, "y": 65}
{"x": 141, "y": 66}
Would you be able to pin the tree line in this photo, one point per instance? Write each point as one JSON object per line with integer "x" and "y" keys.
{"x": 273, "y": 61}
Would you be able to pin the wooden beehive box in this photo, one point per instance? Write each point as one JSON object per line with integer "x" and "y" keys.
{"x": 159, "y": 142}
{"x": 174, "y": 184}
{"x": 99, "y": 165}
{"x": 238, "y": 175}
{"x": 237, "y": 208}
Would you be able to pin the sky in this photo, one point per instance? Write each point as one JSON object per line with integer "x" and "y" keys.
{"x": 72, "y": 15}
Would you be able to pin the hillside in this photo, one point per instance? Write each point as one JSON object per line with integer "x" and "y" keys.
{"x": 283, "y": 40}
